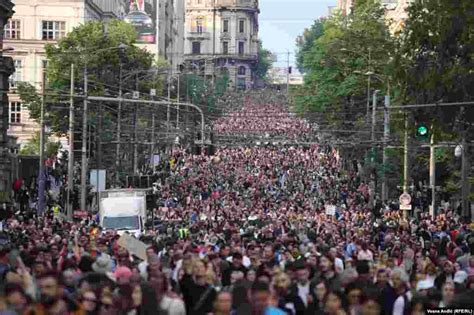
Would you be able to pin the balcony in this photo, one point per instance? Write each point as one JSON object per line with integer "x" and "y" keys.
{"x": 195, "y": 35}
{"x": 238, "y": 4}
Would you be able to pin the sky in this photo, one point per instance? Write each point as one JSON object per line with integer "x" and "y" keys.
{"x": 281, "y": 21}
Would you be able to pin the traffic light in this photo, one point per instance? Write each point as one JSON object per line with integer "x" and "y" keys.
{"x": 290, "y": 69}
{"x": 422, "y": 131}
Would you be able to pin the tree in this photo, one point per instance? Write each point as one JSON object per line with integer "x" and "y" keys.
{"x": 32, "y": 146}
{"x": 434, "y": 64}
{"x": 435, "y": 57}
{"x": 336, "y": 61}
{"x": 305, "y": 41}
{"x": 263, "y": 63}
{"x": 93, "y": 44}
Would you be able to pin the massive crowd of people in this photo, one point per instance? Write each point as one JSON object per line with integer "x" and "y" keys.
{"x": 251, "y": 230}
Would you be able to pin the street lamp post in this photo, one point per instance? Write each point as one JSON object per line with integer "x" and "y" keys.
{"x": 84, "y": 166}
{"x": 84, "y": 145}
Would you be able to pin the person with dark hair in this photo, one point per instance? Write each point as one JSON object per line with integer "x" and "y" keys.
{"x": 260, "y": 297}
{"x": 90, "y": 302}
{"x": 236, "y": 265}
{"x": 16, "y": 297}
{"x": 335, "y": 304}
{"x": 198, "y": 294}
{"x": 52, "y": 299}
{"x": 223, "y": 303}
{"x": 355, "y": 295}
{"x": 167, "y": 303}
{"x": 300, "y": 292}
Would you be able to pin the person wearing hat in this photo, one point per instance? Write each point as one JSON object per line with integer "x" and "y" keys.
{"x": 122, "y": 275}
{"x": 102, "y": 265}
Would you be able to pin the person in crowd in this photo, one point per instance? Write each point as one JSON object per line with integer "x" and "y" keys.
{"x": 261, "y": 300}
{"x": 223, "y": 303}
{"x": 246, "y": 226}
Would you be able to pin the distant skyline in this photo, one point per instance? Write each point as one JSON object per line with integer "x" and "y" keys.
{"x": 281, "y": 21}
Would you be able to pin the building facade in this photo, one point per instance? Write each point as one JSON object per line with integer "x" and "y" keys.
{"x": 221, "y": 38}
{"x": 160, "y": 27}
{"x": 395, "y": 12}
{"x": 6, "y": 69}
{"x": 34, "y": 24}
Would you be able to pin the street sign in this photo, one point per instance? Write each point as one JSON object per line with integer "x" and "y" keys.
{"x": 152, "y": 92}
{"x": 330, "y": 210}
{"x": 405, "y": 199}
{"x": 136, "y": 94}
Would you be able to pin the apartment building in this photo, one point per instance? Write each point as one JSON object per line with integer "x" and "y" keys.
{"x": 221, "y": 37}
{"x": 395, "y": 12}
{"x": 34, "y": 24}
{"x": 6, "y": 69}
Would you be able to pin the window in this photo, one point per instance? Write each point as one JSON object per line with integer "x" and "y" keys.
{"x": 225, "y": 26}
{"x": 241, "y": 26}
{"x": 225, "y": 48}
{"x": 196, "y": 48}
{"x": 16, "y": 76}
{"x": 241, "y": 83}
{"x": 199, "y": 26}
{"x": 53, "y": 30}
{"x": 241, "y": 70}
{"x": 15, "y": 112}
{"x": 241, "y": 48}
{"x": 12, "y": 29}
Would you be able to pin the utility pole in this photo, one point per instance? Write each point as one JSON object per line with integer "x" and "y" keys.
{"x": 405, "y": 162}
{"x": 42, "y": 175}
{"x": 213, "y": 40}
{"x": 466, "y": 211}
{"x": 84, "y": 146}
{"x": 70, "y": 162}
{"x": 98, "y": 131}
{"x": 432, "y": 173}
{"x": 168, "y": 118}
{"x": 288, "y": 73}
{"x": 386, "y": 135}
{"x": 119, "y": 130}
{"x": 372, "y": 137}
{"x": 135, "y": 132}
{"x": 177, "y": 105}
{"x": 368, "y": 84}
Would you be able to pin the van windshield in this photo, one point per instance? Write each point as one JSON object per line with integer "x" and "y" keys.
{"x": 121, "y": 223}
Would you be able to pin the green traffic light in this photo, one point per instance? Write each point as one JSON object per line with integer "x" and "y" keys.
{"x": 422, "y": 130}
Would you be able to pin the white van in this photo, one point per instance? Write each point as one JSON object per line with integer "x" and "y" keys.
{"x": 123, "y": 210}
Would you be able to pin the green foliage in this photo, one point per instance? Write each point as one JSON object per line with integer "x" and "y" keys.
{"x": 336, "y": 60}
{"x": 305, "y": 42}
{"x": 264, "y": 63}
{"x": 95, "y": 44}
{"x": 32, "y": 146}
{"x": 434, "y": 61}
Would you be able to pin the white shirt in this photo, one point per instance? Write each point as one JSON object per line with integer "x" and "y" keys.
{"x": 245, "y": 261}
{"x": 339, "y": 264}
{"x": 303, "y": 292}
{"x": 143, "y": 269}
{"x": 365, "y": 255}
{"x": 399, "y": 304}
